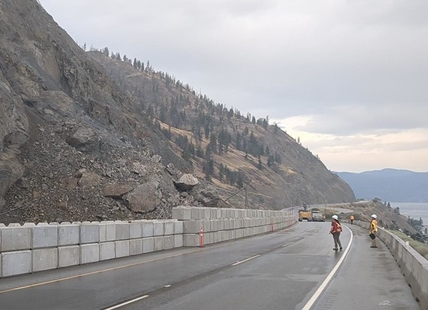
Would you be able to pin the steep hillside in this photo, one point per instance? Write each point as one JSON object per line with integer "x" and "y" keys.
{"x": 275, "y": 169}
{"x": 389, "y": 185}
{"x": 85, "y": 139}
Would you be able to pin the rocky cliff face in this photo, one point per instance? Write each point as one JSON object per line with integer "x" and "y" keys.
{"x": 75, "y": 145}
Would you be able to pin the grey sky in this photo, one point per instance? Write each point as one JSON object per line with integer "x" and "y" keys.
{"x": 349, "y": 78}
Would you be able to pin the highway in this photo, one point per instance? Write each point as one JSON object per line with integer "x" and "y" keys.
{"x": 295, "y": 268}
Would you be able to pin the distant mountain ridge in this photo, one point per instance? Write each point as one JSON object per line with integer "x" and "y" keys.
{"x": 393, "y": 185}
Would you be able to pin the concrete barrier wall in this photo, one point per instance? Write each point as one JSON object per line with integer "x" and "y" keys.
{"x": 413, "y": 265}
{"x": 212, "y": 225}
{"x": 31, "y": 248}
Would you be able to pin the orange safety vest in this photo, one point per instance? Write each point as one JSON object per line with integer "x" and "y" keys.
{"x": 335, "y": 227}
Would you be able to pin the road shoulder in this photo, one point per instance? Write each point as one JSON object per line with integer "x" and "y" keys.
{"x": 369, "y": 279}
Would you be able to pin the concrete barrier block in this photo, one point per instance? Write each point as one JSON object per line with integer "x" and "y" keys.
{"x": 209, "y": 238}
{"x": 158, "y": 228}
{"x": 107, "y": 250}
{"x": 169, "y": 227}
{"x": 15, "y": 263}
{"x": 159, "y": 243}
{"x": 148, "y": 229}
{"x": 122, "y": 230}
{"x": 182, "y": 213}
{"x": 223, "y": 213}
{"x": 237, "y": 223}
{"x": 89, "y": 232}
{"x": 45, "y": 235}
{"x": 25, "y": 224}
{"x": 178, "y": 241}
{"x": 89, "y": 253}
{"x": 107, "y": 231}
{"x": 192, "y": 227}
{"x": 68, "y": 256}
{"x": 135, "y": 229}
{"x": 136, "y": 246}
{"x": 196, "y": 213}
{"x": 16, "y": 238}
{"x": 45, "y": 259}
{"x": 214, "y": 225}
{"x": 148, "y": 245}
{"x": 226, "y": 224}
{"x": 178, "y": 227}
{"x": 213, "y": 213}
{"x": 220, "y": 225}
{"x": 234, "y": 213}
{"x": 190, "y": 240}
{"x": 224, "y": 235}
{"x": 207, "y": 225}
{"x": 168, "y": 242}
{"x": 122, "y": 248}
{"x": 205, "y": 213}
{"x": 215, "y": 237}
{"x": 240, "y": 233}
{"x": 241, "y": 223}
{"x": 68, "y": 234}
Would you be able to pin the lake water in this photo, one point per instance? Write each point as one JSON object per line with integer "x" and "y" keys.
{"x": 415, "y": 210}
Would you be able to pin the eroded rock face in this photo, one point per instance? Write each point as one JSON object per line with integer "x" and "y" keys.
{"x": 13, "y": 134}
{"x": 77, "y": 145}
{"x": 71, "y": 140}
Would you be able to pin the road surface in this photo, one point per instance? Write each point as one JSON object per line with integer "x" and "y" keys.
{"x": 295, "y": 268}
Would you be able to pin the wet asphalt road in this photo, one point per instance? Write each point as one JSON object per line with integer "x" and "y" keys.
{"x": 281, "y": 270}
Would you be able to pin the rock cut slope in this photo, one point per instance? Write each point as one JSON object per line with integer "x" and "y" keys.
{"x": 77, "y": 144}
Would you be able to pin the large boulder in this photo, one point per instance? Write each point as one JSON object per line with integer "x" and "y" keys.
{"x": 117, "y": 190}
{"x": 186, "y": 182}
{"x": 144, "y": 198}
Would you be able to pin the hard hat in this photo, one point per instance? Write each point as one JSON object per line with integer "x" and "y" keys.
{"x": 335, "y": 217}
{"x": 374, "y": 216}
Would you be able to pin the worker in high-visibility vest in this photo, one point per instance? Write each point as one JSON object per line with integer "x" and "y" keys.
{"x": 336, "y": 229}
{"x": 373, "y": 230}
{"x": 351, "y": 218}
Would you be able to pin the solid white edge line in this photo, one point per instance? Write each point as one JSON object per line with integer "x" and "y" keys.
{"x": 245, "y": 260}
{"x": 327, "y": 280}
{"x": 127, "y": 302}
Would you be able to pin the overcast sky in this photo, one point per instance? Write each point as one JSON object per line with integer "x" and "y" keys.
{"x": 349, "y": 78}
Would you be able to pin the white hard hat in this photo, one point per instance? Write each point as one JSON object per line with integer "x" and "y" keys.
{"x": 374, "y": 216}
{"x": 335, "y": 217}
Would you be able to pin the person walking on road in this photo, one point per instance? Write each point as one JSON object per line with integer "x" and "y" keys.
{"x": 336, "y": 229}
{"x": 351, "y": 218}
{"x": 373, "y": 230}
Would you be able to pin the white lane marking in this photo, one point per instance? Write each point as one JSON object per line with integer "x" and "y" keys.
{"x": 127, "y": 302}
{"x": 94, "y": 272}
{"x": 327, "y": 280}
{"x": 168, "y": 285}
{"x": 245, "y": 260}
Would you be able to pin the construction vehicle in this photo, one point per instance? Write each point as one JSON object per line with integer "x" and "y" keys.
{"x": 317, "y": 216}
{"x": 305, "y": 214}
{"x": 313, "y": 215}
